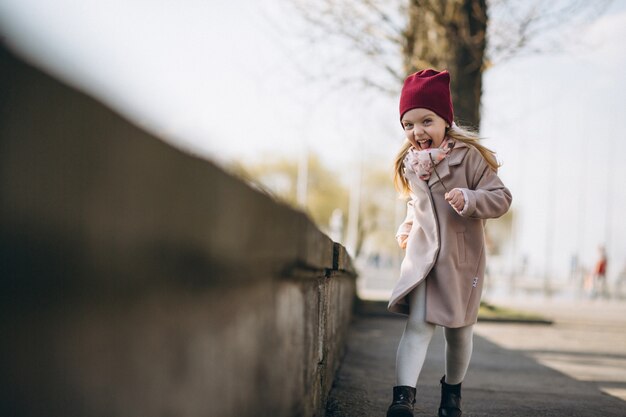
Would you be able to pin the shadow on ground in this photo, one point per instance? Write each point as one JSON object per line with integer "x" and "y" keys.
{"x": 500, "y": 382}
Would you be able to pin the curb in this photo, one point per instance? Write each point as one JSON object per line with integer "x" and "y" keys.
{"x": 373, "y": 308}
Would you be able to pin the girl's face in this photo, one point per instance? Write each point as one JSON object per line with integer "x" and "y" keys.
{"x": 424, "y": 128}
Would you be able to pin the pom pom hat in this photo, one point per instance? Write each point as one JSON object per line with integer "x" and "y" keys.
{"x": 428, "y": 89}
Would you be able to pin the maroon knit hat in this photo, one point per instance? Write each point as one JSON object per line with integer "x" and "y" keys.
{"x": 428, "y": 89}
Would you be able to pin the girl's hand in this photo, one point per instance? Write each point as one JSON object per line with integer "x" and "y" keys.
{"x": 456, "y": 199}
{"x": 402, "y": 239}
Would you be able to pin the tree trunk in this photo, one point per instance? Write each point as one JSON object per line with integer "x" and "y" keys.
{"x": 450, "y": 35}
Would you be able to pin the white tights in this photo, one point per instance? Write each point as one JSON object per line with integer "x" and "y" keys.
{"x": 415, "y": 340}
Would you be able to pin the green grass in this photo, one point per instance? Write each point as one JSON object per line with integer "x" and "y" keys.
{"x": 493, "y": 313}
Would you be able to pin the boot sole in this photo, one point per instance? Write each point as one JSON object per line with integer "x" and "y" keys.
{"x": 400, "y": 412}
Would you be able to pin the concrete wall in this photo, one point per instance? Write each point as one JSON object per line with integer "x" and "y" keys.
{"x": 137, "y": 280}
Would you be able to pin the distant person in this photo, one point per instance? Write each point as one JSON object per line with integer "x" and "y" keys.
{"x": 453, "y": 187}
{"x": 599, "y": 274}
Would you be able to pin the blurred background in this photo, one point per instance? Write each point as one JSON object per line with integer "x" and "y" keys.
{"x": 300, "y": 99}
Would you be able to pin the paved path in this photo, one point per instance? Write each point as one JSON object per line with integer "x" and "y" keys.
{"x": 517, "y": 370}
{"x": 587, "y": 341}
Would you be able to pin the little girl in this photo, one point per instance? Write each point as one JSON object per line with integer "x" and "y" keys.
{"x": 453, "y": 187}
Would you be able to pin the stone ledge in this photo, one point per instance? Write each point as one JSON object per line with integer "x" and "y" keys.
{"x": 119, "y": 199}
{"x": 140, "y": 280}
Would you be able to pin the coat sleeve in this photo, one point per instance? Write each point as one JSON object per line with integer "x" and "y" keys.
{"x": 488, "y": 198}
{"x": 407, "y": 224}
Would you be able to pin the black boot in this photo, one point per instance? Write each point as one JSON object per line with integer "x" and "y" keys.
{"x": 403, "y": 400}
{"x": 450, "y": 399}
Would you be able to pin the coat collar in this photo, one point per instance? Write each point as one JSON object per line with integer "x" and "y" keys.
{"x": 443, "y": 168}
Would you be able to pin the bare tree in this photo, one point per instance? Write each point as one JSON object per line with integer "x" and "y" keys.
{"x": 464, "y": 36}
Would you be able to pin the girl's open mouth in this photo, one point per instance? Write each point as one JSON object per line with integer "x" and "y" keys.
{"x": 424, "y": 144}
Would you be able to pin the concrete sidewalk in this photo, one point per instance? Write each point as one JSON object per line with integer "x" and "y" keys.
{"x": 509, "y": 374}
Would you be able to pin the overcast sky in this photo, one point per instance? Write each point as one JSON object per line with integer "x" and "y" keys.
{"x": 231, "y": 80}
{"x": 230, "y": 77}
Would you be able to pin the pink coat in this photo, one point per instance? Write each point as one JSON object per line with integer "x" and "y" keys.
{"x": 443, "y": 247}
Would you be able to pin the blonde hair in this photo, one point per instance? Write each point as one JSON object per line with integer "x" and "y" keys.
{"x": 456, "y": 133}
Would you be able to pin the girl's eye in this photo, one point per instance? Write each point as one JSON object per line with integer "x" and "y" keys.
{"x": 408, "y": 126}
{"x": 427, "y": 121}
